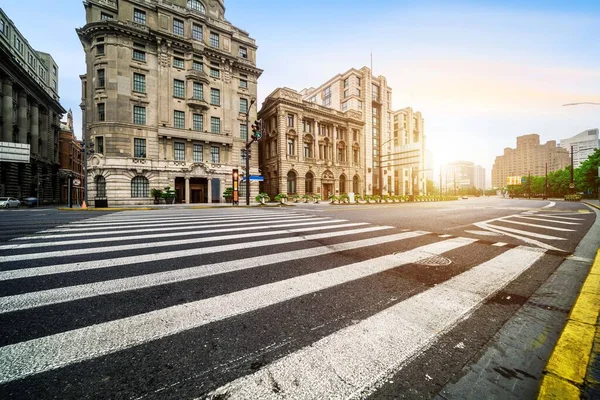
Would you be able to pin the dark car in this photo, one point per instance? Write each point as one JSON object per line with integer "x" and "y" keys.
{"x": 31, "y": 202}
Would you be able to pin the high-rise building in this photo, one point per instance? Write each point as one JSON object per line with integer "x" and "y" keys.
{"x": 360, "y": 91}
{"x": 458, "y": 175}
{"x": 530, "y": 157}
{"x": 584, "y": 145}
{"x": 309, "y": 148}
{"x": 479, "y": 177}
{"x": 30, "y": 112}
{"x": 406, "y": 155}
{"x": 166, "y": 93}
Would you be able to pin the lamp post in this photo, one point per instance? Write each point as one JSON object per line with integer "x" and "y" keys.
{"x": 252, "y": 101}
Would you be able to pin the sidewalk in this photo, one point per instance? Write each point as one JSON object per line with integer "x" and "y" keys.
{"x": 573, "y": 370}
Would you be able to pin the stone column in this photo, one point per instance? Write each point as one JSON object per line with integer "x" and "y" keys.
{"x": 22, "y": 116}
{"x": 187, "y": 190}
{"x": 334, "y": 159}
{"x": 44, "y": 135}
{"x": 35, "y": 129}
{"x": 7, "y": 110}
{"x": 209, "y": 190}
{"x": 316, "y": 143}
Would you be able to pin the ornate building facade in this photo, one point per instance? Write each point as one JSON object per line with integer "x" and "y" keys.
{"x": 71, "y": 162}
{"x": 309, "y": 148}
{"x": 30, "y": 115}
{"x": 165, "y": 98}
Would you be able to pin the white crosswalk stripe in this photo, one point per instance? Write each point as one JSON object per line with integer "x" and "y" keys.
{"x": 294, "y": 255}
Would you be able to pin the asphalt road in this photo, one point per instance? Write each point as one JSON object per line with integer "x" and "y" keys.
{"x": 312, "y": 301}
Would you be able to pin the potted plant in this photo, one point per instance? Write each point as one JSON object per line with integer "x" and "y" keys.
{"x": 228, "y": 195}
{"x": 157, "y": 194}
{"x": 316, "y": 198}
{"x": 306, "y": 198}
{"x": 296, "y": 198}
{"x": 281, "y": 198}
{"x": 344, "y": 198}
{"x": 359, "y": 199}
{"x": 377, "y": 198}
{"x": 262, "y": 198}
{"x": 333, "y": 199}
{"x": 169, "y": 195}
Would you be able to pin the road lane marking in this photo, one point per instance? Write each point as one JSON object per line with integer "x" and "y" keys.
{"x": 559, "y": 217}
{"x": 52, "y": 352}
{"x": 78, "y": 292}
{"x": 354, "y": 360}
{"x": 500, "y": 244}
{"x": 523, "y": 238}
{"x": 552, "y": 204}
{"x": 547, "y": 220}
{"x": 525, "y": 233}
{"x": 79, "y": 242}
{"x": 552, "y": 228}
{"x": 121, "y": 261}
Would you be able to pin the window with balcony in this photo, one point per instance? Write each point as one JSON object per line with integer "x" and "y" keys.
{"x": 179, "y": 119}
{"x": 198, "y": 122}
{"x": 243, "y": 105}
{"x": 101, "y": 112}
{"x": 198, "y": 153}
{"x": 139, "y": 16}
{"x": 215, "y": 125}
{"x": 139, "y": 187}
{"x": 178, "y": 88}
{"x": 178, "y": 27}
{"x": 215, "y": 154}
{"x": 139, "y": 83}
{"x": 214, "y": 39}
{"x": 198, "y": 93}
{"x": 101, "y": 78}
{"x": 139, "y": 148}
{"x": 215, "y": 97}
{"x": 179, "y": 151}
{"x": 243, "y": 53}
{"x": 197, "y": 32}
{"x": 139, "y": 115}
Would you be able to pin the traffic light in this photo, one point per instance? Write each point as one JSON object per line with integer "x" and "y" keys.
{"x": 257, "y": 130}
{"x": 235, "y": 174}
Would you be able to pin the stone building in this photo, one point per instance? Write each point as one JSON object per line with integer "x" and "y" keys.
{"x": 530, "y": 157}
{"x": 30, "y": 113}
{"x": 309, "y": 148}
{"x": 71, "y": 162}
{"x": 359, "y": 90}
{"x": 406, "y": 154}
{"x": 165, "y": 97}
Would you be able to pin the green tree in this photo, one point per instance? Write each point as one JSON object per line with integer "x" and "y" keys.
{"x": 586, "y": 176}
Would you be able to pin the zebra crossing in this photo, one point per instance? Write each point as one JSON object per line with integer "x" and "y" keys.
{"x": 233, "y": 303}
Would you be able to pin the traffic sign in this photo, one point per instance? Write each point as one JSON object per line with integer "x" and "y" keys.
{"x": 76, "y": 182}
{"x": 571, "y": 186}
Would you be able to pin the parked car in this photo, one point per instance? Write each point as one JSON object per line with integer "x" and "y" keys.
{"x": 31, "y": 202}
{"x": 7, "y": 202}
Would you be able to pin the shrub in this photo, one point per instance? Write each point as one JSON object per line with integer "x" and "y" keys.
{"x": 262, "y": 196}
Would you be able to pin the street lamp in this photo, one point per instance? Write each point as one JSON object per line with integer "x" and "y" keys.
{"x": 577, "y": 104}
{"x": 252, "y": 101}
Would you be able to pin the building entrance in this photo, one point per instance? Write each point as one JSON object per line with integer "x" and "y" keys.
{"x": 327, "y": 190}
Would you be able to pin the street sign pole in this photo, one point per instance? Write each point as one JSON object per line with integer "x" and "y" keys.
{"x": 236, "y": 189}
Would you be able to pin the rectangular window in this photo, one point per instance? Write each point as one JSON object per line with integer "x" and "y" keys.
{"x": 290, "y": 147}
{"x": 178, "y": 88}
{"x": 101, "y": 78}
{"x": 139, "y": 148}
{"x": 99, "y": 145}
{"x": 198, "y": 91}
{"x": 344, "y": 106}
{"x": 2, "y": 27}
{"x": 105, "y": 17}
{"x": 214, "y": 39}
{"x": 215, "y": 125}
{"x": 197, "y": 32}
{"x": 215, "y": 154}
{"x": 197, "y": 65}
{"x": 290, "y": 120}
{"x": 179, "y": 119}
{"x": 179, "y": 151}
{"x": 178, "y": 27}
{"x": 307, "y": 150}
{"x": 139, "y": 55}
{"x": 243, "y": 52}
{"x": 244, "y": 131}
{"x": 99, "y": 49}
{"x": 243, "y": 156}
{"x": 243, "y": 84}
{"x": 198, "y": 153}
{"x": 346, "y": 93}
{"x": 215, "y": 73}
{"x": 346, "y": 82}
{"x": 244, "y": 106}
{"x": 327, "y": 97}
{"x": 139, "y": 83}
{"x": 198, "y": 122}
{"x": 215, "y": 97}
{"x": 139, "y": 16}
{"x": 101, "y": 112}
{"x": 178, "y": 62}
{"x": 139, "y": 115}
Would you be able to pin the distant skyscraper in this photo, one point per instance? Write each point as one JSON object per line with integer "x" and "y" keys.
{"x": 584, "y": 145}
{"x": 479, "y": 177}
{"x": 429, "y": 166}
{"x": 458, "y": 175}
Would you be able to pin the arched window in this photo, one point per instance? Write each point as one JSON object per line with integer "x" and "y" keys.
{"x": 308, "y": 183}
{"x": 139, "y": 187}
{"x": 342, "y": 183}
{"x": 291, "y": 182}
{"x": 100, "y": 186}
{"x": 196, "y": 5}
{"x": 356, "y": 184}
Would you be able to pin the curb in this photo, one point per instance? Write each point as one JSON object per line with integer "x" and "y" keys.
{"x": 105, "y": 209}
{"x": 591, "y": 205}
{"x": 565, "y": 372}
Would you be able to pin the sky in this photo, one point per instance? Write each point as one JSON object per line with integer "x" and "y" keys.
{"x": 481, "y": 72}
